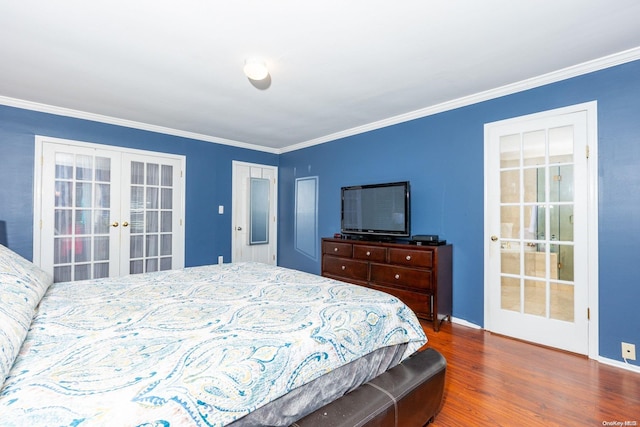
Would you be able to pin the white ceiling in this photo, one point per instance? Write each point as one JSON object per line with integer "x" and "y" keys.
{"x": 337, "y": 67}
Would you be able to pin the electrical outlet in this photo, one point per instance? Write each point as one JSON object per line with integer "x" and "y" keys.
{"x": 628, "y": 351}
{"x": 221, "y": 260}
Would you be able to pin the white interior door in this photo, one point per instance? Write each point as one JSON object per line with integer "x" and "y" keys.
{"x": 254, "y": 224}
{"x": 152, "y": 224}
{"x": 79, "y": 207}
{"x": 540, "y": 216}
{"x": 102, "y": 211}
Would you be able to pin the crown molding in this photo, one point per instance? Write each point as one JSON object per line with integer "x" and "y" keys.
{"x": 534, "y": 82}
{"x": 77, "y": 114}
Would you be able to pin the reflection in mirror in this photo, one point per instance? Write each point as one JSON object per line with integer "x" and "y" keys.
{"x": 306, "y": 216}
{"x": 258, "y": 211}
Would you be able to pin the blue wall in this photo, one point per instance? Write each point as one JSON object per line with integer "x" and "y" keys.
{"x": 208, "y": 179}
{"x": 442, "y": 156}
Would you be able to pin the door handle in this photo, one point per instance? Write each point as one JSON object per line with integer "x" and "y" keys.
{"x": 114, "y": 224}
{"x": 239, "y": 228}
{"x": 125, "y": 224}
{"x": 494, "y": 238}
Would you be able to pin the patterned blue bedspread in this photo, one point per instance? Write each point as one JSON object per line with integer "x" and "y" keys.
{"x": 199, "y": 346}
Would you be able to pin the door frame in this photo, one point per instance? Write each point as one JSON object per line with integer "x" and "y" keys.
{"x": 273, "y": 231}
{"x": 37, "y": 186}
{"x": 592, "y": 214}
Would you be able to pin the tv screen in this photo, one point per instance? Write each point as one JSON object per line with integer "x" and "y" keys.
{"x": 376, "y": 209}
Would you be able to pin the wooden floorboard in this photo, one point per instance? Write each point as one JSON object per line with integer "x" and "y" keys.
{"x": 493, "y": 380}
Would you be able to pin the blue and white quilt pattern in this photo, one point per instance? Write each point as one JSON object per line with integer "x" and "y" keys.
{"x": 199, "y": 346}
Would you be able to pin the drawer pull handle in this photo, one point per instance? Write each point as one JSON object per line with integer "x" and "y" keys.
{"x": 335, "y": 249}
{"x": 344, "y": 268}
{"x": 397, "y": 276}
{"x": 408, "y": 257}
{"x": 368, "y": 253}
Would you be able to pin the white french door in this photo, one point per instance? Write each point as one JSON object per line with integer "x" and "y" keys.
{"x": 541, "y": 227}
{"x": 103, "y": 211}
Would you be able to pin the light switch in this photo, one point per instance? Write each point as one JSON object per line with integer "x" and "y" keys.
{"x": 220, "y": 209}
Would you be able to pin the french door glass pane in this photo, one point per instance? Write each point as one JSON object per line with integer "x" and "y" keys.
{"x": 64, "y": 194}
{"x": 510, "y": 186}
{"x": 533, "y": 147}
{"x": 63, "y": 221}
{"x": 151, "y": 245}
{"x": 83, "y": 195}
{"x": 101, "y": 224}
{"x": 64, "y": 165}
{"x": 151, "y": 264}
{"x": 167, "y": 176}
{"x": 103, "y": 196}
{"x": 561, "y": 144}
{"x": 510, "y": 151}
{"x": 82, "y": 272}
{"x": 167, "y": 198}
{"x": 83, "y": 222}
{"x": 101, "y": 249}
{"x": 152, "y": 198}
{"x": 165, "y": 263}
{"x": 166, "y": 222}
{"x": 137, "y": 173}
{"x": 510, "y": 293}
{"x": 84, "y": 168}
{"x": 510, "y": 222}
{"x": 136, "y": 249}
{"x": 101, "y": 270}
{"x": 561, "y": 304}
{"x": 153, "y": 177}
{"x": 535, "y": 297}
{"x": 136, "y": 267}
{"x": 62, "y": 274}
{"x": 166, "y": 243}
{"x": 103, "y": 169}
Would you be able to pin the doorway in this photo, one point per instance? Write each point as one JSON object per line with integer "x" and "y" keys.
{"x": 254, "y": 216}
{"x": 104, "y": 211}
{"x": 541, "y": 228}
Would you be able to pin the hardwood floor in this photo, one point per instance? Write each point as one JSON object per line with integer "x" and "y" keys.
{"x": 497, "y": 381}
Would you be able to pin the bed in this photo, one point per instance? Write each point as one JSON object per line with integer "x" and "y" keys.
{"x": 231, "y": 344}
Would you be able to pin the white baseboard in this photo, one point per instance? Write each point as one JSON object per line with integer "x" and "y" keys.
{"x": 465, "y": 323}
{"x": 618, "y": 364}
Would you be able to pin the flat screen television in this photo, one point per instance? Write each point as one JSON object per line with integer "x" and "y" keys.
{"x": 381, "y": 210}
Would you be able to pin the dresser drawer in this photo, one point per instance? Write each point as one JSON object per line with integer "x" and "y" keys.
{"x": 343, "y": 267}
{"x": 411, "y": 257}
{"x": 338, "y": 249}
{"x": 370, "y": 253}
{"x": 401, "y": 276}
{"x": 420, "y": 303}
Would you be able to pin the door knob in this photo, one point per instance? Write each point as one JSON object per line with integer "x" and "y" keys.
{"x": 114, "y": 224}
{"x": 239, "y": 228}
{"x": 494, "y": 238}
{"x": 125, "y": 224}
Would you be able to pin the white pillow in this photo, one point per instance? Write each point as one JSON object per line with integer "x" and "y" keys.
{"x": 22, "y": 286}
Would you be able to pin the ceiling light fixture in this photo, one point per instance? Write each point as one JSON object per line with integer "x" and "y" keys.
{"x": 255, "y": 69}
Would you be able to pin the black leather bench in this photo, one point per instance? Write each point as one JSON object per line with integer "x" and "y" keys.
{"x": 409, "y": 394}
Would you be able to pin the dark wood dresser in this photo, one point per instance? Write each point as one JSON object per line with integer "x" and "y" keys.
{"x": 420, "y": 276}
